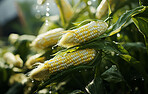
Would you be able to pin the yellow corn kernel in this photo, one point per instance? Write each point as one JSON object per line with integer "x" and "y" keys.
{"x": 61, "y": 62}
{"x": 83, "y": 34}
{"x": 47, "y": 39}
{"x": 13, "y": 60}
{"x": 34, "y": 59}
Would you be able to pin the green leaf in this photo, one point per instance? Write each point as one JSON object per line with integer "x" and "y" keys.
{"x": 96, "y": 86}
{"x": 112, "y": 75}
{"x": 82, "y": 22}
{"x": 115, "y": 31}
{"x": 109, "y": 8}
{"x": 119, "y": 50}
{"x": 105, "y": 45}
{"x": 77, "y": 92}
{"x": 140, "y": 19}
{"x": 136, "y": 64}
{"x": 122, "y": 21}
{"x": 58, "y": 75}
{"x": 22, "y": 46}
{"x": 17, "y": 88}
{"x": 135, "y": 45}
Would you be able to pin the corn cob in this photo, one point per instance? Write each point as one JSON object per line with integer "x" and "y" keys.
{"x": 83, "y": 34}
{"x": 13, "y": 38}
{"x": 18, "y": 77}
{"x": 102, "y": 9}
{"x": 61, "y": 62}
{"x": 33, "y": 59}
{"x": 65, "y": 8}
{"x": 49, "y": 38}
{"x": 13, "y": 60}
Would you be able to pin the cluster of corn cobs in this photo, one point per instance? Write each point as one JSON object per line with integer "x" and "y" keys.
{"x": 67, "y": 39}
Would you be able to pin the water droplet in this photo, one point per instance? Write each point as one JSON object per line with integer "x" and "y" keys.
{"x": 79, "y": 71}
{"x": 85, "y": 69}
{"x": 47, "y": 9}
{"x": 117, "y": 54}
{"x": 135, "y": 79}
{"x": 118, "y": 35}
{"x": 89, "y": 2}
{"x": 106, "y": 67}
{"x": 115, "y": 42}
{"x": 32, "y": 81}
{"x": 46, "y": 24}
{"x": 142, "y": 79}
{"x": 136, "y": 88}
{"x": 47, "y": 14}
{"x": 46, "y": 21}
{"x": 50, "y": 92}
{"x": 47, "y": 3}
{"x": 112, "y": 53}
{"x": 93, "y": 0}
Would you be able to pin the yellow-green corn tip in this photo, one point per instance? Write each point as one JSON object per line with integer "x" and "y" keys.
{"x": 102, "y": 9}
{"x": 13, "y": 38}
{"x": 47, "y": 39}
{"x": 13, "y": 60}
{"x": 39, "y": 73}
{"x": 65, "y": 8}
{"x": 83, "y": 34}
{"x": 61, "y": 62}
{"x": 34, "y": 59}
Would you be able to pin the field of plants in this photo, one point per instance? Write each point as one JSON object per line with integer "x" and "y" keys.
{"x": 86, "y": 47}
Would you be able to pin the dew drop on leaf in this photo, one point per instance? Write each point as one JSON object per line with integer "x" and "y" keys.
{"x": 47, "y": 14}
{"x": 47, "y": 9}
{"x": 136, "y": 88}
{"x": 135, "y": 79}
{"x": 117, "y": 54}
{"x": 106, "y": 67}
{"x": 89, "y": 2}
{"x": 47, "y": 3}
{"x": 50, "y": 92}
{"x": 142, "y": 79}
{"x": 46, "y": 24}
{"x": 118, "y": 35}
{"x": 32, "y": 81}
